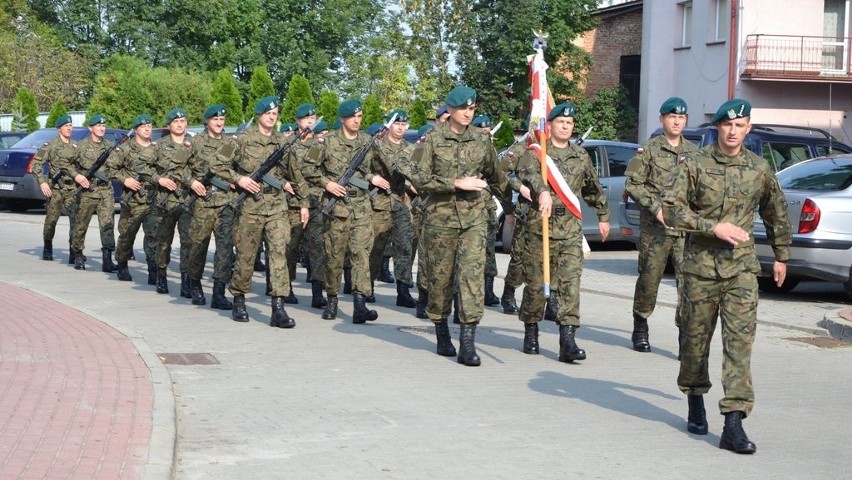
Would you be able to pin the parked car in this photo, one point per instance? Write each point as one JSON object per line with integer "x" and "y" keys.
{"x": 18, "y": 188}
{"x": 9, "y": 139}
{"x": 610, "y": 160}
{"x": 819, "y": 203}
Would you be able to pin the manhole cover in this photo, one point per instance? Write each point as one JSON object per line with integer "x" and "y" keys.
{"x": 822, "y": 342}
{"x": 187, "y": 359}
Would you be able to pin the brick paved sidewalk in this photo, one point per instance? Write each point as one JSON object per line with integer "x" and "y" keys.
{"x": 75, "y": 397}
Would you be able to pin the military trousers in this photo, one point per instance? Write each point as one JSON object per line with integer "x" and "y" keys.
{"x": 63, "y": 199}
{"x": 455, "y": 261}
{"x": 134, "y": 215}
{"x": 174, "y": 216}
{"x": 734, "y": 301}
{"x": 250, "y": 229}
{"x": 515, "y": 271}
{"x": 217, "y": 221}
{"x": 417, "y": 220}
{"x": 313, "y": 236}
{"x": 382, "y": 228}
{"x": 356, "y": 235}
{"x": 566, "y": 267}
{"x": 491, "y": 245}
{"x": 294, "y": 216}
{"x": 402, "y": 238}
{"x": 97, "y": 200}
{"x": 654, "y": 251}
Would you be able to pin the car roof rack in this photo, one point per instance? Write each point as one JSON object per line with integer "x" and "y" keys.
{"x": 795, "y": 129}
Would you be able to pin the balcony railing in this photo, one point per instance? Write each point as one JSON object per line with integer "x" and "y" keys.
{"x": 798, "y": 57}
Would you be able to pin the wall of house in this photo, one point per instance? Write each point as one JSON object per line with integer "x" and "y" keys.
{"x": 613, "y": 38}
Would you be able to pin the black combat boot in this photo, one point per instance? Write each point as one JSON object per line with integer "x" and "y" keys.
{"x": 445, "y": 343}
{"x": 239, "y": 313}
{"x": 531, "y": 338}
{"x": 196, "y": 292}
{"x": 568, "y": 349}
{"x": 258, "y": 263}
{"x": 107, "y": 265}
{"x": 403, "y": 295}
{"x": 385, "y": 274}
{"x": 696, "y": 421}
{"x": 361, "y": 314}
{"x": 371, "y": 298}
{"x": 162, "y": 284}
{"x": 490, "y": 298}
{"x": 47, "y": 251}
{"x": 291, "y": 299}
{"x": 185, "y": 288}
{"x": 79, "y": 262}
{"x": 551, "y": 308}
{"x": 640, "y": 334}
{"x": 72, "y": 256}
{"x": 507, "y": 300}
{"x": 467, "y": 347}
{"x": 124, "y": 272}
{"x": 734, "y": 437}
{"x": 280, "y": 318}
{"x": 347, "y": 280}
{"x": 330, "y": 312}
{"x": 152, "y": 272}
{"x": 219, "y": 301}
{"x": 422, "y": 300}
{"x": 317, "y": 300}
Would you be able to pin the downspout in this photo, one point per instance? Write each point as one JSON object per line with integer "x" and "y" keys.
{"x": 732, "y": 55}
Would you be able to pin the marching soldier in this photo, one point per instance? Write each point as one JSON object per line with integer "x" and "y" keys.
{"x": 575, "y": 168}
{"x": 517, "y": 213}
{"x": 96, "y": 195}
{"x": 60, "y": 190}
{"x": 211, "y": 214}
{"x": 483, "y": 122}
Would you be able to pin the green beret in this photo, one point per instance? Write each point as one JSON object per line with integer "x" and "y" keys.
{"x": 349, "y": 107}
{"x": 481, "y": 121}
{"x": 141, "y": 120}
{"x": 736, "y": 108}
{"x": 63, "y": 120}
{"x": 288, "y": 127}
{"x": 320, "y": 127}
{"x": 96, "y": 119}
{"x": 265, "y": 104}
{"x": 673, "y": 105}
{"x": 441, "y": 111}
{"x": 336, "y": 125}
{"x": 305, "y": 110}
{"x": 175, "y": 113}
{"x": 401, "y": 115}
{"x": 215, "y": 110}
{"x": 373, "y": 129}
{"x": 461, "y": 97}
{"x": 425, "y": 128}
{"x": 562, "y": 110}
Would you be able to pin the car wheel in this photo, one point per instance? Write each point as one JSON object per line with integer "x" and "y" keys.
{"x": 767, "y": 284}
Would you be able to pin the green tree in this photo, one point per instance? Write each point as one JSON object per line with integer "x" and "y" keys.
{"x": 609, "y": 114}
{"x": 506, "y": 135}
{"x": 260, "y": 86}
{"x": 372, "y": 112}
{"x": 56, "y": 111}
{"x": 430, "y": 45}
{"x": 417, "y": 114}
{"x": 298, "y": 92}
{"x": 225, "y": 91}
{"x": 328, "y": 103}
{"x": 26, "y": 104}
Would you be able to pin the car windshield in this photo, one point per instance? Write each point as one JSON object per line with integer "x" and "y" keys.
{"x": 819, "y": 175}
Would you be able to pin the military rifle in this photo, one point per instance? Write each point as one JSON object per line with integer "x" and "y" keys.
{"x": 208, "y": 180}
{"x": 506, "y": 150}
{"x": 129, "y": 193}
{"x": 94, "y": 172}
{"x": 355, "y": 163}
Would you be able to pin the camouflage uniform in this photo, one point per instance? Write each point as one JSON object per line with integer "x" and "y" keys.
{"x": 509, "y": 165}
{"x": 647, "y": 176}
{"x": 388, "y": 208}
{"x": 719, "y": 279}
{"x": 313, "y": 234}
{"x": 99, "y": 197}
{"x": 295, "y": 159}
{"x": 64, "y": 190}
{"x": 138, "y": 209}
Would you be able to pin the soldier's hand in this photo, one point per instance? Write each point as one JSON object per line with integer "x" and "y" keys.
{"x": 730, "y": 233}
{"x": 289, "y": 189}
{"x": 167, "y": 183}
{"x": 45, "y": 189}
{"x": 604, "y": 229}
{"x": 545, "y": 204}
{"x": 132, "y": 184}
{"x": 249, "y": 185}
{"x": 335, "y": 189}
{"x": 198, "y": 188}
{"x": 779, "y": 273}
{"x": 304, "y": 216}
{"x": 471, "y": 184}
{"x": 525, "y": 192}
{"x": 660, "y": 218}
{"x": 81, "y": 180}
{"x": 380, "y": 182}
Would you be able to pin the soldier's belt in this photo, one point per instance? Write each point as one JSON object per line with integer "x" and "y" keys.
{"x": 466, "y": 195}
{"x": 353, "y": 192}
{"x": 269, "y": 190}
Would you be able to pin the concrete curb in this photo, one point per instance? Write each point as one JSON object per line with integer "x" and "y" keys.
{"x": 838, "y": 324}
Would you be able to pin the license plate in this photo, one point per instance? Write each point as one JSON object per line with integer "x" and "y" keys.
{"x": 7, "y": 186}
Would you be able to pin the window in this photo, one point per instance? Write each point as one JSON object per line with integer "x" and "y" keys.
{"x": 834, "y": 149}
{"x": 686, "y": 24}
{"x": 723, "y": 19}
{"x": 595, "y": 155}
{"x": 783, "y": 155}
{"x": 618, "y": 158}
{"x": 834, "y": 30}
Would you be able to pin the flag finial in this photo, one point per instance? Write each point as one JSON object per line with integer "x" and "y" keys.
{"x": 540, "y": 39}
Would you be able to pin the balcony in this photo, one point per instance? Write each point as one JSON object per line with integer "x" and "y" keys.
{"x": 800, "y": 58}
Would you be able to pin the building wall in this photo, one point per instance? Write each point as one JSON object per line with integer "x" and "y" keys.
{"x": 615, "y": 37}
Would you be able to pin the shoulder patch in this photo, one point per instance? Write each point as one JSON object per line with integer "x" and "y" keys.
{"x": 321, "y": 140}
{"x": 640, "y": 151}
{"x": 681, "y": 159}
{"x": 153, "y": 143}
{"x": 186, "y": 143}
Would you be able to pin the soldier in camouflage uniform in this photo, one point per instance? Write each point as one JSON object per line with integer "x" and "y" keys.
{"x": 565, "y": 233}
{"x": 60, "y": 190}
{"x": 168, "y": 173}
{"x": 391, "y": 218}
{"x": 350, "y": 223}
{"x": 713, "y": 196}
{"x": 136, "y": 201}
{"x": 647, "y": 175}
{"x": 266, "y": 217}
{"x": 483, "y": 122}
{"x": 95, "y": 196}
{"x": 211, "y": 213}
{"x": 516, "y": 214}
{"x": 456, "y": 165}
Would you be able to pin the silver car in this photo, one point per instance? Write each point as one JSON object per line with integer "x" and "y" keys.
{"x": 819, "y": 203}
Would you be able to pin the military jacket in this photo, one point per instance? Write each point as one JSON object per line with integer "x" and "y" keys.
{"x": 88, "y": 152}
{"x": 326, "y": 161}
{"x": 443, "y": 157}
{"x": 55, "y": 153}
{"x": 296, "y": 161}
{"x": 509, "y": 165}
{"x": 122, "y": 164}
{"x": 242, "y": 155}
{"x": 383, "y": 165}
{"x": 648, "y": 174}
{"x": 580, "y": 175}
{"x": 201, "y": 157}
{"x": 710, "y": 188}
{"x": 169, "y": 161}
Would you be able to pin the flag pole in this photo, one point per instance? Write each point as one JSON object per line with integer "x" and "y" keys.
{"x": 540, "y": 91}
